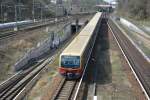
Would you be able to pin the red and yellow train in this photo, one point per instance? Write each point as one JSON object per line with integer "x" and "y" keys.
{"x": 74, "y": 58}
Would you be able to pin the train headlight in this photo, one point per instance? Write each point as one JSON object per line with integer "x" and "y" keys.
{"x": 62, "y": 71}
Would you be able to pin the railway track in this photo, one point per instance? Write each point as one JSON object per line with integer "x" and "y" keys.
{"x": 19, "y": 84}
{"x": 17, "y": 77}
{"x": 139, "y": 65}
{"x": 11, "y": 33}
{"x": 65, "y": 90}
{"x": 70, "y": 89}
{"x": 14, "y": 85}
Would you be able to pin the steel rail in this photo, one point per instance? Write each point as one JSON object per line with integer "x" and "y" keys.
{"x": 129, "y": 63}
{"x": 65, "y": 90}
{"x": 16, "y": 87}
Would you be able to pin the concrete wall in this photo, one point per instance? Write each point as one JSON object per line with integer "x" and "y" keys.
{"x": 130, "y": 25}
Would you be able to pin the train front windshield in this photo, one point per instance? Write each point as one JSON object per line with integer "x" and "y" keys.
{"x": 70, "y": 61}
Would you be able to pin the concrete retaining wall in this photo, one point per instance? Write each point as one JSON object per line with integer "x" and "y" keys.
{"x": 130, "y": 25}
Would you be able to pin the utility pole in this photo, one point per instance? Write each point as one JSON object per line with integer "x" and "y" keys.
{"x": 56, "y": 16}
{"x": 1, "y": 10}
{"x": 16, "y": 19}
{"x": 41, "y": 12}
{"x": 19, "y": 9}
{"x": 97, "y": 2}
{"x": 33, "y": 10}
{"x": 3, "y": 5}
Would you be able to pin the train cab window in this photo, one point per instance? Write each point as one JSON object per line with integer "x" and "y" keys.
{"x": 70, "y": 61}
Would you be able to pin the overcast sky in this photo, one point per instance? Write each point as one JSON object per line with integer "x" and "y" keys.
{"x": 109, "y": 0}
{"x": 104, "y": 0}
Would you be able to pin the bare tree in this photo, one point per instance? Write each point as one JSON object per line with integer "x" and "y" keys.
{"x": 136, "y": 8}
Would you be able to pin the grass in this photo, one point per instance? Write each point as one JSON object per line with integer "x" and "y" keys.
{"x": 145, "y": 22}
{"x": 120, "y": 84}
{"x": 56, "y": 61}
{"x": 119, "y": 76}
{"x": 145, "y": 49}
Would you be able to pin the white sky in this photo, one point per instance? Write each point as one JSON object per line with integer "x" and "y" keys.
{"x": 54, "y": 1}
{"x": 109, "y": 0}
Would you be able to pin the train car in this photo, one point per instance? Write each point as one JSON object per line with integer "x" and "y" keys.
{"x": 14, "y": 24}
{"x": 73, "y": 59}
{"x": 7, "y": 25}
